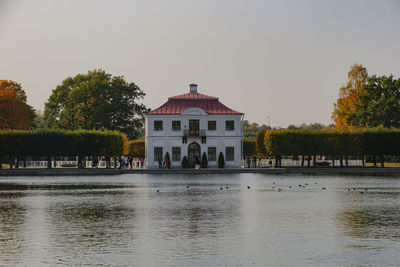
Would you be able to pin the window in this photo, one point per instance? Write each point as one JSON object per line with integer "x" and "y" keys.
{"x": 212, "y": 125}
{"x": 158, "y": 153}
{"x": 230, "y": 125}
{"x": 158, "y": 126}
{"x": 212, "y": 154}
{"x": 204, "y": 140}
{"x": 194, "y": 127}
{"x": 230, "y": 153}
{"x": 176, "y": 154}
{"x": 176, "y": 125}
{"x": 184, "y": 139}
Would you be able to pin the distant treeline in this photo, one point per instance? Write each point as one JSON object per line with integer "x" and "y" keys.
{"x": 55, "y": 143}
{"x": 331, "y": 143}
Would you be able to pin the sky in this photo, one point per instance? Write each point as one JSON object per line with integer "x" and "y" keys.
{"x": 280, "y": 62}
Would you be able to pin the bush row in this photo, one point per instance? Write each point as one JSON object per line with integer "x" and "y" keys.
{"x": 137, "y": 148}
{"x": 60, "y": 143}
{"x": 333, "y": 143}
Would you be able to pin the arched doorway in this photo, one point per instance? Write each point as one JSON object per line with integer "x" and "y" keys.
{"x": 193, "y": 151}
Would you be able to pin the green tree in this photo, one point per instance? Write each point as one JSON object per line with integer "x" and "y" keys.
{"x": 185, "y": 162}
{"x": 96, "y": 100}
{"x": 204, "y": 161}
{"x": 379, "y": 105}
{"x": 221, "y": 160}
{"x": 260, "y": 145}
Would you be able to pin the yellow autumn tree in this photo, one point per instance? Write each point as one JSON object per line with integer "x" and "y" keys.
{"x": 15, "y": 113}
{"x": 349, "y": 95}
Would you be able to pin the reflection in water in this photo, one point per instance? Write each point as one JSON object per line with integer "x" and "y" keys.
{"x": 373, "y": 214}
{"x": 123, "y": 220}
{"x": 12, "y": 219}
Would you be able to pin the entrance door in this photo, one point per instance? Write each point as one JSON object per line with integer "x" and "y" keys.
{"x": 193, "y": 151}
{"x": 194, "y": 127}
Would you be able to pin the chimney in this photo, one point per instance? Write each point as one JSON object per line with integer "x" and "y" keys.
{"x": 193, "y": 88}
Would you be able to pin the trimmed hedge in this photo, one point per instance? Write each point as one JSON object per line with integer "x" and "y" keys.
{"x": 249, "y": 148}
{"x": 333, "y": 143}
{"x": 52, "y": 143}
{"x": 137, "y": 148}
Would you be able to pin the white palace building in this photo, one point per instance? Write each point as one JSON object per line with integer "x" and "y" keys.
{"x": 191, "y": 124}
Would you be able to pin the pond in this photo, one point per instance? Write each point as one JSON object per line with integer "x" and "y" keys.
{"x": 200, "y": 220}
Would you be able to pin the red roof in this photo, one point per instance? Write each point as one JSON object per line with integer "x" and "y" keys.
{"x": 178, "y": 104}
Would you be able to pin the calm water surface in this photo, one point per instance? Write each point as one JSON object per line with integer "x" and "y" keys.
{"x": 123, "y": 220}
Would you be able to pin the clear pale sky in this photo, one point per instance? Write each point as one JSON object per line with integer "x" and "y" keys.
{"x": 285, "y": 59}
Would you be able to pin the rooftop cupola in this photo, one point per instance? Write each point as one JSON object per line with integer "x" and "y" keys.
{"x": 193, "y": 88}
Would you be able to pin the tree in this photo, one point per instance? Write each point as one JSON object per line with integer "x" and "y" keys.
{"x": 260, "y": 146}
{"x": 348, "y": 100}
{"x": 96, "y": 100}
{"x": 15, "y": 113}
{"x": 185, "y": 162}
{"x": 137, "y": 148}
{"x": 204, "y": 161}
{"x": 380, "y": 104}
{"x": 221, "y": 160}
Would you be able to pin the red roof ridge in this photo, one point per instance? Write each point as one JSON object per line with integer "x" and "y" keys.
{"x": 193, "y": 96}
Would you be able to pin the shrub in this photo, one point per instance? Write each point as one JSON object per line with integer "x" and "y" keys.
{"x": 204, "y": 161}
{"x": 136, "y": 148}
{"x": 185, "y": 162}
{"x": 249, "y": 148}
{"x": 221, "y": 160}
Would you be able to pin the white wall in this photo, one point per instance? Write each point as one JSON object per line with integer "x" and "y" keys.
{"x": 168, "y": 138}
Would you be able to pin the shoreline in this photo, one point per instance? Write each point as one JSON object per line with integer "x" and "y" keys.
{"x": 304, "y": 170}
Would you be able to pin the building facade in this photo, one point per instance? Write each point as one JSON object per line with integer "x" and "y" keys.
{"x": 190, "y": 125}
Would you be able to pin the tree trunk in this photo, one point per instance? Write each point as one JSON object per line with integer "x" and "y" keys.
{"x": 363, "y": 161}
{"x": 48, "y": 162}
{"x": 309, "y": 161}
{"x": 11, "y": 163}
{"x": 333, "y": 161}
{"x": 276, "y": 161}
{"x": 80, "y": 162}
{"x": 1, "y": 167}
{"x": 346, "y": 160}
{"x": 16, "y": 166}
{"x": 341, "y": 161}
{"x": 382, "y": 158}
{"x": 302, "y": 160}
{"x": 314, "y": 160}
{"x": 25, "y": 162}
{"x": 280, "y": 161}
{"x": 374, "y": 160}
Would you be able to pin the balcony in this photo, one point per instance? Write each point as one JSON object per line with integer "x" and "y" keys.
{"x": 194, "y": 133}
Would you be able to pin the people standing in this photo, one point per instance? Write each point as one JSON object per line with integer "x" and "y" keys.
{"x": 160, "y": 163}
{"x": 248, "y": 162}
{"x": 166, "y": 162}
{"x": 255, "y": 161}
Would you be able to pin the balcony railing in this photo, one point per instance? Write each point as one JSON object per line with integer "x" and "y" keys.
{"x": 200, "y": 133}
